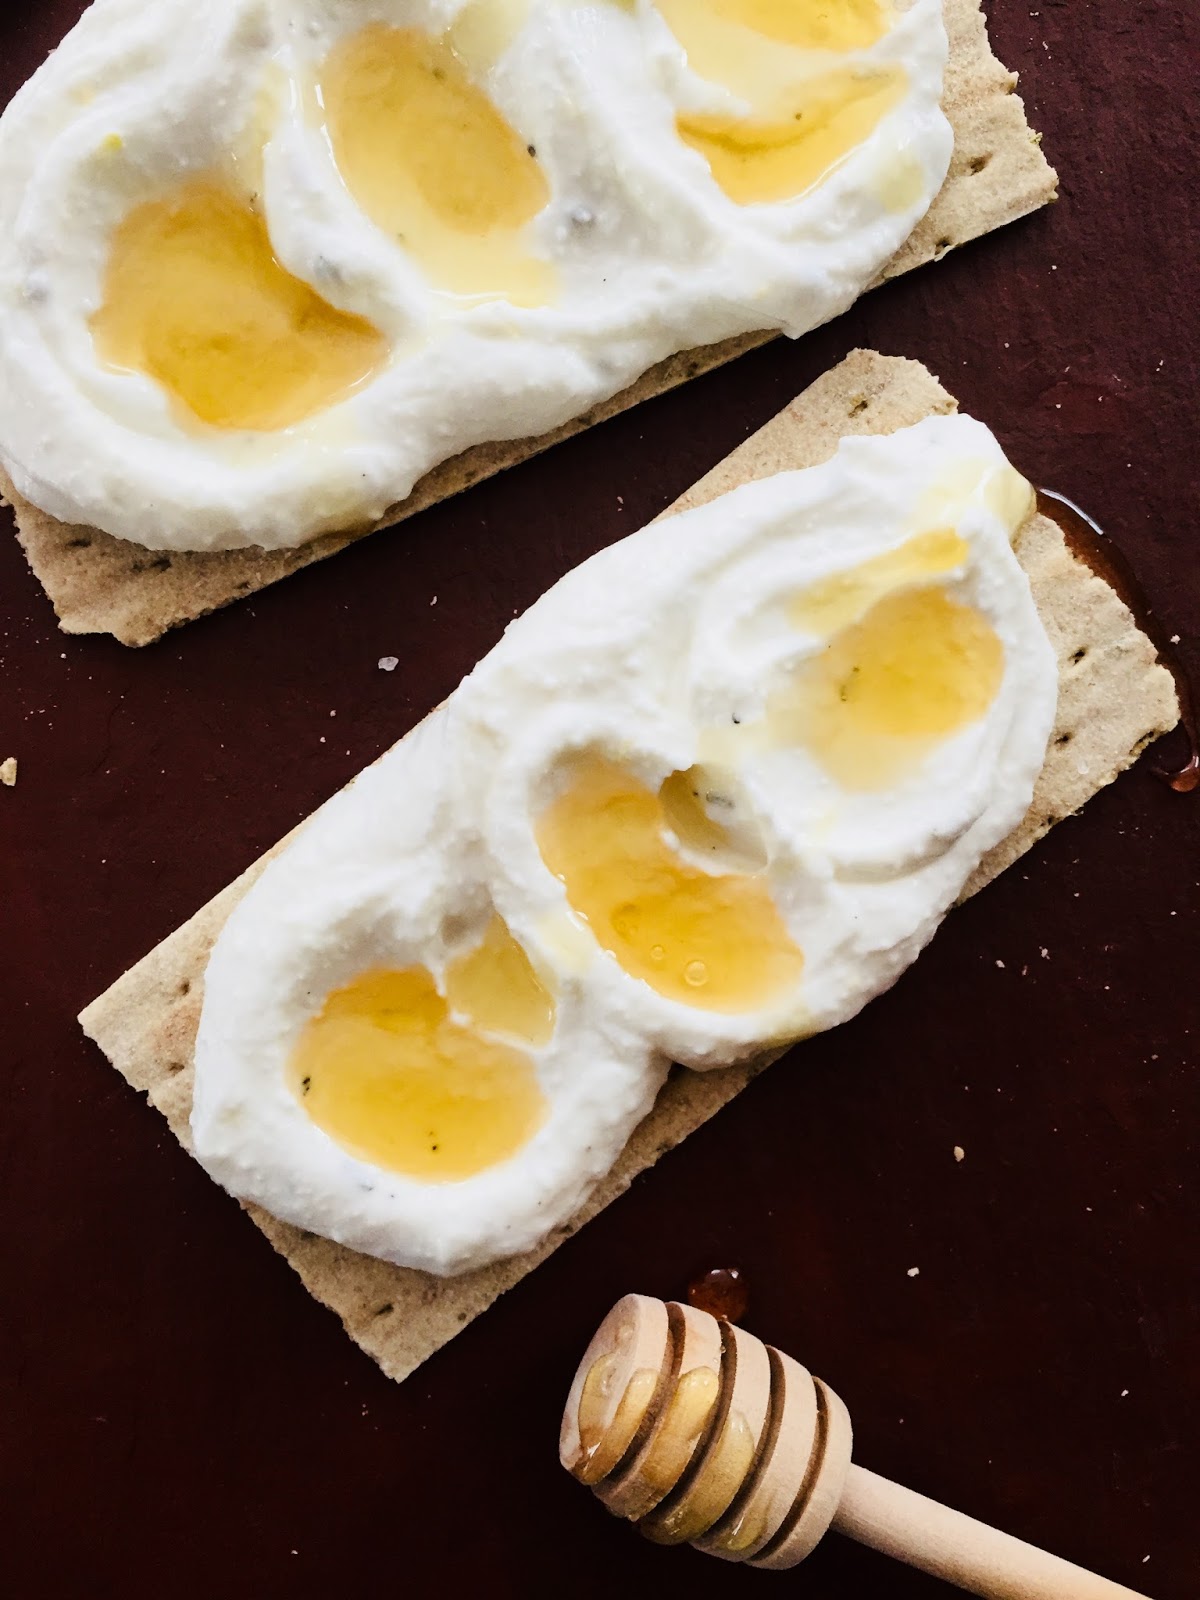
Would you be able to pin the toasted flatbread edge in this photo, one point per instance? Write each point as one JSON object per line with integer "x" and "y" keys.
{"x": 1114, "y": 699}
{"x": 99, "y": 584}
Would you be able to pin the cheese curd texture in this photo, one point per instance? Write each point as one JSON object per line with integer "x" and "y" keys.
{"x": 836, "y": 825}
{"x": 638, "y": 248}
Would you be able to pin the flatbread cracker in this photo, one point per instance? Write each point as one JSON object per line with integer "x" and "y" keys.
{"x": 99, "y": 584}
{"x": 1114, "y": 698}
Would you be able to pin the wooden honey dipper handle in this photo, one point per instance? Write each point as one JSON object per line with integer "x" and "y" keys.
{"x": 700, "y": 1434}
{"x": 949, "y": 1545}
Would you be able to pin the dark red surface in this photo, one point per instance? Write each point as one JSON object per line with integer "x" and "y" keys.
{"x": 178, "y": 1418}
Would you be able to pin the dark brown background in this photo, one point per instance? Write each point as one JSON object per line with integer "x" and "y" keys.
{"x": 178, "y": 1418}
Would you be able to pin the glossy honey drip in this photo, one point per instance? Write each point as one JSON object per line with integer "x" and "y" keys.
{"x": 747, "y": 1532}
{"x": 713, "y": 941}
{"x": 389, "y": 1074}
{"x": 194, "y": 297}
{"x": 721, "y": 1291}
{"x": 431, "y": 160}
{"x": 801, "y": 124}
{"x": 918, "y": 668}
{"x": 727, "y": 1463}
{"x": 605, "y": 1435}
{"x": 1089, "y": 543}
{"x": 685, "y": 1417}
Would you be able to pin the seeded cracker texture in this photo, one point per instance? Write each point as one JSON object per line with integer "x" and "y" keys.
{"x": 1113, "y": 699}
{"x": 99, "y": 584}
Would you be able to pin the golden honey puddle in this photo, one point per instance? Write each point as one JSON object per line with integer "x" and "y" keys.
{"x": 194, "y": 298}
{"x": 918, "y": 668}
{"x": 430, "y": 159}
{"x": 389, "y": 1071}
{"x": 711, "y": 940}
{"x": 904, "y": 665}
{"x": 803, "y": 123}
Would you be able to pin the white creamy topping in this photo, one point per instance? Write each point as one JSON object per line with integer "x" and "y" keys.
{"x": 648, "y": 253}
{"x": 660, "y": 655}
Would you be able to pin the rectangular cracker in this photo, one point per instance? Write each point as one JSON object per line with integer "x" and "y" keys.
{"x": 1112, "y": 702}
{"x": 99, "y": 584}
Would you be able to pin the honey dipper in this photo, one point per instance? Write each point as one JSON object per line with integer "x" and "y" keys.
{"x": 700, "y": 1433}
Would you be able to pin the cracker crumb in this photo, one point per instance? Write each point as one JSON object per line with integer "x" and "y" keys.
{"x": 388, "y": 663}
{"x": 8, "y": 772}
{"x": 959, "y": 1152}
{"x": 1175, "y": 639}
{"x": 914, "y": 1272}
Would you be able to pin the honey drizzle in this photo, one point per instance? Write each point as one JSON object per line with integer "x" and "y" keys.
{"x": 673, "y": 1521}
{"x": 1087, "y": 541}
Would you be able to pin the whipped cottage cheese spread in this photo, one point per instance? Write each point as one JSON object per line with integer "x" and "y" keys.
{"x": 713, "y": 792}
{"x": 263, "y": 266}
